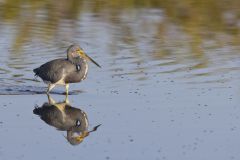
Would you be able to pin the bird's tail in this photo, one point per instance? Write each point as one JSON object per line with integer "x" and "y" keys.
{"x": 36, "y": 71}
{"x": 37, "y": 110}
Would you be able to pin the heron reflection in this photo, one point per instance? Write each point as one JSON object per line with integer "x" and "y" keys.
{"x": 64, "y": 117}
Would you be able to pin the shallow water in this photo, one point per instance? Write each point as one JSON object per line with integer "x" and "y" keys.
{"x": 168, "y": 87}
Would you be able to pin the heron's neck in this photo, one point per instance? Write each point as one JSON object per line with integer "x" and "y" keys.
{"x": 76, "y": 61}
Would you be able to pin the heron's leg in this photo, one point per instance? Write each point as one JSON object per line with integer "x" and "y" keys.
{"x": 50, "y": 100}
{"x": 66, "y": 99}
{"x": 67, "y": 87}
{"x": 50, "y": 87}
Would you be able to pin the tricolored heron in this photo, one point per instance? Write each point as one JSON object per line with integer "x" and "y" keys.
{"x": 73, "y": 69}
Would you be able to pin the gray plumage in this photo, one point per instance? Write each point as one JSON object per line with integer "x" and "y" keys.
{"x": 68, "y": 119}
{"x": 64, "y": 117}
{"x": 73, "y": 69}
{"x": 54, "y": 70}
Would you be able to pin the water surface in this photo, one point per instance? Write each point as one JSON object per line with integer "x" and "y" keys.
{"x": 168, "y": 87}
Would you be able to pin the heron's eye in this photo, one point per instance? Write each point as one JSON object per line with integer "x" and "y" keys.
{"x": 78, "y": 67}
{"x": 78, "y": 123}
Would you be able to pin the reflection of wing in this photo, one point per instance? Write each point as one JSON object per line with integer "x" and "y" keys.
{"x": 50, "y": 114}
{"x": 63, "y": 116}
{"x": 79, "y": 117}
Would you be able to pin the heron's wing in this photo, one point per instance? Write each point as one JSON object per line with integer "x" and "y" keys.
{"x": 77, "y": 73}
{"x": 54, "y": 70}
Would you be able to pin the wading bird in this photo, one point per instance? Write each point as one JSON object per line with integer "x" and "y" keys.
{"x": 64, "y": 71}
{"x": 64, "y": 117}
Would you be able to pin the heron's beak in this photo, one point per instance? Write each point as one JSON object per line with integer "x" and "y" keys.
{"x": 82, "y": 53}
{"x": 90, "y": 59}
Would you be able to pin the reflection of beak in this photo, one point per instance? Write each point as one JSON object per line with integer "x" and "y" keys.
{"x": 89, "y": 58}
{"x": 81, "y": 137}
{"x": 86, "y": 133}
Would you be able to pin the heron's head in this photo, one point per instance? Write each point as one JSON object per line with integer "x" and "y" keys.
{"x": 76, "y": 138}
{"x": 75, "y": 52}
